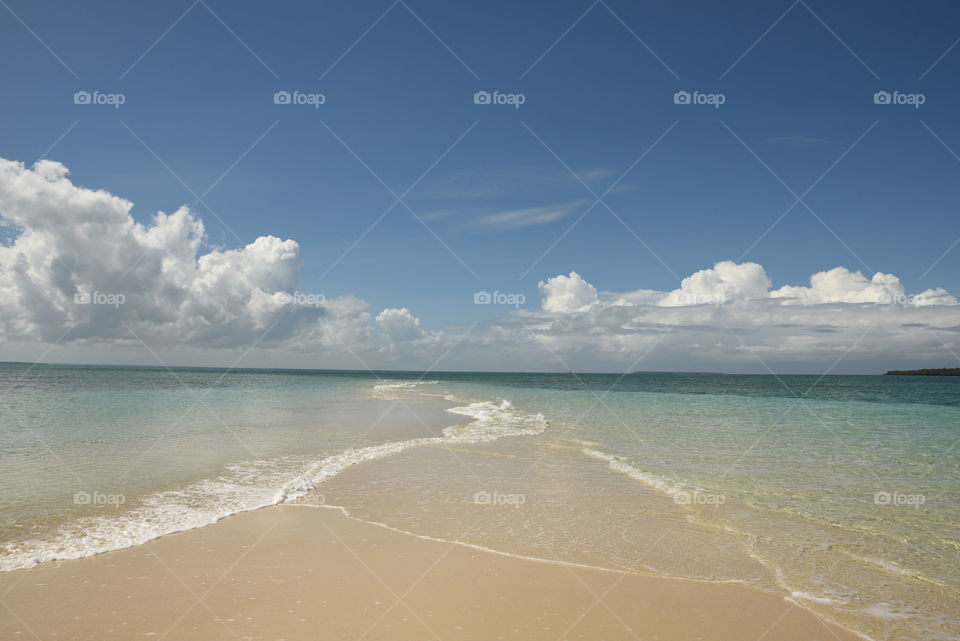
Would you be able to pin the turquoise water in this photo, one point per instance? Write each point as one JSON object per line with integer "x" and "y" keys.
{"x": 846, "y": 489}
{"x": 165, "y": 450}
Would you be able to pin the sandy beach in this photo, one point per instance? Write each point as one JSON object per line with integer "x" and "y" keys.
{"x": 296, "y": 572}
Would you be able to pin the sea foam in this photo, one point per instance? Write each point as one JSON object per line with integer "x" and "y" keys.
{"x": 250, "y": 486}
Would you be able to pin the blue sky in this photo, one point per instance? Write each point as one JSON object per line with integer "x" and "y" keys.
{"x": 598, "y": 82}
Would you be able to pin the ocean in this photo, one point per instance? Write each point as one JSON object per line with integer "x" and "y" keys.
{"x": 842, "y": 493}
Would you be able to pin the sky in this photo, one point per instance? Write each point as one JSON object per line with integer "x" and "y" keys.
{"x": 643, "y": 185}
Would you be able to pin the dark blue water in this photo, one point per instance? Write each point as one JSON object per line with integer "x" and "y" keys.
{"x": 932, "y": 390}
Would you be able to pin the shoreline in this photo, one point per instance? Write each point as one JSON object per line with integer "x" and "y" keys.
{"x": 425, "y": 487}
{"x": 295, "y": 487}
{"x": 647, "y": 574}
{"x": 262, "y": 559}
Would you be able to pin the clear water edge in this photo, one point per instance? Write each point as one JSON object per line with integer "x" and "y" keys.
{"x": 907, "y": 421}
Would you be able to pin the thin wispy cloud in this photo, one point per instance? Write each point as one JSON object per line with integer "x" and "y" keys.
{"x": 516, "y": 218}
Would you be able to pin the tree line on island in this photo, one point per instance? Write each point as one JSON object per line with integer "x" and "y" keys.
{"x": 940, "y": 371}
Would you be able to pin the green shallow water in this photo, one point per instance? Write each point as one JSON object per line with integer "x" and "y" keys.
{"x": 845, "y": 489}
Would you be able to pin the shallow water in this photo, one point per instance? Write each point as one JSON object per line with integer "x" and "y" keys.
{"x": 841, "y": 492}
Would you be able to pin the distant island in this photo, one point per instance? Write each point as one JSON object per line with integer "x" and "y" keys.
{"x": 941, "y": 371}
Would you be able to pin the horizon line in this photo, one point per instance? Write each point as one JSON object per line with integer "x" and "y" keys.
{"x": 374, "y": 372}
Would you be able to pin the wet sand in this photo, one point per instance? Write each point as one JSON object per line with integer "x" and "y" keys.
{"x": 296, "y": 573}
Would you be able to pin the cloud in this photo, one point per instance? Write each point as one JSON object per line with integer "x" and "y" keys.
{"x": 515, "y": 218}
{"x": 81, "y": 262}
{"x": 78, "y": 269}
{"x": 726, "y": 318}
{"x": 726, "y": 281}
{"x": 566, "y": 294}
{"x": 937, "y": 296}
{"x": 401, "y": 325}
{"x": 840, "y": 285}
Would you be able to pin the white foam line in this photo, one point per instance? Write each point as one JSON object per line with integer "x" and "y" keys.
{"x": 799, "y": 599}
{"x": 524, "y": 557}
{"x": 617, "y": 464}
{"x": 389, "y": 390}
{"x": 161, "y": 514}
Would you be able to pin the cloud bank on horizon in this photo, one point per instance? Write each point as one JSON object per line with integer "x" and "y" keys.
{"x": 80, "y": 271}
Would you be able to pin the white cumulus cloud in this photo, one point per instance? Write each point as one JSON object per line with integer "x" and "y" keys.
{"x": 567, "y": 293}
{"x": 76, "y": 247}
{"x": 726, "y": 281}
{"x": 401, "y": 324}
{"x": 840, "y": 285}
